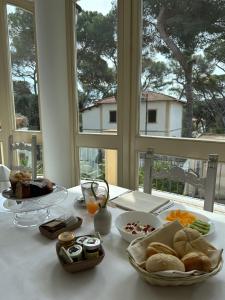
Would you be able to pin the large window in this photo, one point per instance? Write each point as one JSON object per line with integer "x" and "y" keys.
{"x": 170, "y": 77}
{"x": 158, "y": 64}
{"x": 19, "y": 108}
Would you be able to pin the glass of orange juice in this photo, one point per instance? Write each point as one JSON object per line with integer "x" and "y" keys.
{"x": 90, "y": 201}
{"x": 92, "y": 205}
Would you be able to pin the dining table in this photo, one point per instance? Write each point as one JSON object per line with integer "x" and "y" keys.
{"x": 31, "y": 270}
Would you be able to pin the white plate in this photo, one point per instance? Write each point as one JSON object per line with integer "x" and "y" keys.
{"x": 162, "y": 216}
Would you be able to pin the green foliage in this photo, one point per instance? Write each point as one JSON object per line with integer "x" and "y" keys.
{"x": 23, "y": 58}
{"x": 162, "y": 184}
{"x": 23, "y": 160}
{"x": 27, "y": 105}
{"x": 22, "y": 45}
{"x": 179, "y": 29}
{"x": 21, "y": 88}
{"x": 96, "y": 46}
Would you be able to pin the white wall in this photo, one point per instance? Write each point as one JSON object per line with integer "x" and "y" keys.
{"x": 97, "y": 118}
{"x": 175, "y": 125}
{"x": 91, "y": 120}
{"x": 105, "y": 116}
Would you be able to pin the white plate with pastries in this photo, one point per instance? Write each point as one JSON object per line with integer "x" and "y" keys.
{"x": 190, "y": 219}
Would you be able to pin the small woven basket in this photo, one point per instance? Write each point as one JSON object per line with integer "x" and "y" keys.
{"x": 83, "y": 264}
{"x": 156, "y": 279}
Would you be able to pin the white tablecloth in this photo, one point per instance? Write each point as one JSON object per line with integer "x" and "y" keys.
{"x": 30, "y": 269}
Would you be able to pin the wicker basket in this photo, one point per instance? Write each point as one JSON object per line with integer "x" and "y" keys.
{"x": 83, "y": 264}
{"x": 156, "y": 279}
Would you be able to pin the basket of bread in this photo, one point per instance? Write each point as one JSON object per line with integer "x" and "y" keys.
{"x": 174, "y": 255}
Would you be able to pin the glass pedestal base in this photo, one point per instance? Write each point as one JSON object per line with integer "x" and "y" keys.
{"x": 31, "y": 218}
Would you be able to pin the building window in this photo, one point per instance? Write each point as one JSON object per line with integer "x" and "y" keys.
{"x": 112, "y": 116}
{"x": 152, "y": 116}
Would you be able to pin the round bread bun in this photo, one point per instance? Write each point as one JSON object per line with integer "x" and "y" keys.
{"x": 156, "y": 247}
{"x": 164, "y": 262}
{"x": 196, "y": 261}
{"x": 182, "y": 241}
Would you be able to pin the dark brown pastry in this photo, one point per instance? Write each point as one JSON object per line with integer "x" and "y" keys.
{"x": 18, "y": 176}
{"x": 33, "y": 188}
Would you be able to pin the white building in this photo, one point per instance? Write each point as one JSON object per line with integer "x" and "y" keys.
{"x": 161, "y": 115}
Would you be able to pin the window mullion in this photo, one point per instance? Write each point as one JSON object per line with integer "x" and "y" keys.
{"x": 6, "y": 98}
{"x": 135, "y": 61}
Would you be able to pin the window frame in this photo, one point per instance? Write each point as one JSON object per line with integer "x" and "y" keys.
{"x": 128, "y": 142}
{"x": 6, "y": 89}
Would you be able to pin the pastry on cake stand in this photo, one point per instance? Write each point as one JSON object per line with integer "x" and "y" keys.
{"x": 31, "y": 212}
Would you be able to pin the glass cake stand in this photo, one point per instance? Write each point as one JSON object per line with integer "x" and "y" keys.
{"x": 31, "y": 212}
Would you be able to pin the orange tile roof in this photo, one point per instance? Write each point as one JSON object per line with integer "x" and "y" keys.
{"x": 150, "y": 96}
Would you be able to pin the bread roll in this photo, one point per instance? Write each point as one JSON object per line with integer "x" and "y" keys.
{"x": 182, "y": 241}
{"x": 164, "y": 262}
{"x": 156, "y": 247}
{"x": 196, "y": 261}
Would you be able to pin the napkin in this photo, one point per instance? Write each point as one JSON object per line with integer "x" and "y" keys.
{"x": 165, "y": 235}
{"x": 140, "y": 201}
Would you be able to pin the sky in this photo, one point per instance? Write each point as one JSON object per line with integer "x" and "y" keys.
{"x": 102, "y": 6}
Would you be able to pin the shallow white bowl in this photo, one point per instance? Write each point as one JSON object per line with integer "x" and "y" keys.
{"x": 135, "y": 216}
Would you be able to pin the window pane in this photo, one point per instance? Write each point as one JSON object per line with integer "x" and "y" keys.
{"x": 24, "y": 158}
{"x": 183, "y": 68}
{"x": 97, "y": 64}
{"x": 24, "y": 68}
{"x": 98, "y": 164}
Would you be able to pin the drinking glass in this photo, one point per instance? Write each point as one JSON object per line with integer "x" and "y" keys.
{"x": 90, "y": 201}
{"x": 101, "y": 194}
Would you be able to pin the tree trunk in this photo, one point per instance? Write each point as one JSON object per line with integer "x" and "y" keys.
{"x": 189, "y": 105}
{"x": 185, "y": 64}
